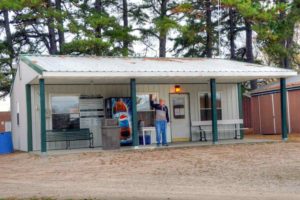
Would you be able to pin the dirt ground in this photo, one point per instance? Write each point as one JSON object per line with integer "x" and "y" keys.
{"x": 246, "y": 171}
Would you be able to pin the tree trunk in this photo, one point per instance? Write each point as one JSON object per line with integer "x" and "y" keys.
{"x": 209, "y": 30}
{"x": 249, "y": 49}
{"x": 231, "y": 37}
{"x": 61, "y": 35}
{"x": 125, "y": 25}
{"x": 98, "y": 8}
{"x": 162, "y": 46}
{"x": 162, "y": 35}
{"x": 8, "y": 34}
{"x": 286, "y": 43}
{"x": 286, "y": 63}
{"x": 51, "y": 30}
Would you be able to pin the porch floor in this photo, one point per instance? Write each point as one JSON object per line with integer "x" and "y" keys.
{"x": 154, "y": 147}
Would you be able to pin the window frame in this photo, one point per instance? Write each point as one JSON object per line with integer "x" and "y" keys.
{"x": 199, "y": 104}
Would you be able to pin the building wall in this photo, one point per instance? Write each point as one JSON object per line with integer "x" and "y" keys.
{"x": 228, "y": 92}
{"x": 18, "y": 105}
{"x": 4, "y": 118}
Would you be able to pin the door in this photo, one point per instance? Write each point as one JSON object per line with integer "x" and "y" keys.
{"x": 180, "y": 117}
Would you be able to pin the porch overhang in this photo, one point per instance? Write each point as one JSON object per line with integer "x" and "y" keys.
{"x": 153, "y": 78}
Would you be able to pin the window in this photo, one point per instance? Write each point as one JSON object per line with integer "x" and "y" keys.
{"x": 65, "y": 112}
{"x": 146, "y": 114}
{"x": 205, "y": 106}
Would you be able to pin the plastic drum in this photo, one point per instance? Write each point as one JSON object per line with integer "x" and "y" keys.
{"x": 6, "y": 145}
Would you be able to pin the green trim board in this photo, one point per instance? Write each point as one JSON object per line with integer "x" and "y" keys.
{"x": 135, "y": 136}
{"x": 43, "y": 116}
{"x": 283, "y": 97}
{"x": 240, "y": 102}
{"x": 34, "y": 66}
{"x": 29, "y": 118}
{"x": 214, "y": 117}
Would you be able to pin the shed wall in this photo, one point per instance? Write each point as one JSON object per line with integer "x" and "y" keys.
{"x": 277, "y": 114}
{"x": 247, "y": 112}
{"x": 262, "y": 115}
{"x": 294, "y": 108}
{"x": 266, "y": 115}
{"x": 255, "y": 109}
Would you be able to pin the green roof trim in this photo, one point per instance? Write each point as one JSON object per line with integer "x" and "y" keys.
{"x": 34, "y": 66}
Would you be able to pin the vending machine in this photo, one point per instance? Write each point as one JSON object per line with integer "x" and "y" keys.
{"x": 121, "y": 108}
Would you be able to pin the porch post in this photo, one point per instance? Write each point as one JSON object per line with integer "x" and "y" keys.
{"x": 284, "y": 129}
{"x": 213, "y": 93}
{"x": 241, "y": 114}
{"x": 135, "y": 139}
{"x": 29, "y": 118}
{"x": 43, "y": 116}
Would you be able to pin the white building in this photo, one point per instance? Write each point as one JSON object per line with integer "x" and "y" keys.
{"x": 48, "y": 91}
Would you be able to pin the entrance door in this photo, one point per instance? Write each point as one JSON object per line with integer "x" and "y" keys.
{"x": 180, "y": 117}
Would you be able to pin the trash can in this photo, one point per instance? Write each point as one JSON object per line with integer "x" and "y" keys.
{"x": 6, "y": 145}
{"x": 110, "y": 135}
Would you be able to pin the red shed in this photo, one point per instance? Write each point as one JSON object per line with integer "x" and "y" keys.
{"x": 265, "y": 108}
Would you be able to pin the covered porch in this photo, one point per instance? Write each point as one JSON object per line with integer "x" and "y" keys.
{"x": 215, "y": 82}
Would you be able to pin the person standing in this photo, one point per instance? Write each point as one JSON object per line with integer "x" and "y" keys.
{"x": 161, "y": 121}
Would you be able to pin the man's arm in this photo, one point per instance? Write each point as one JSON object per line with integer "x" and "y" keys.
{"x": 154, "y": 105}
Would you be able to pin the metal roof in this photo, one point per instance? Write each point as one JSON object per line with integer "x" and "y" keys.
{"x": 90, "y": 66}
{"x": 292, "y": 82}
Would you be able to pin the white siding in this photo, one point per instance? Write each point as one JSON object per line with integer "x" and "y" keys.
{"x": 18, "y": 96}
{"x": 229, "y": 97}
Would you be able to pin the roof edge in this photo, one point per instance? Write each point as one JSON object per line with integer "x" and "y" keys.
{"x": 33, "y": 66}
{"x": 293, "y": 88}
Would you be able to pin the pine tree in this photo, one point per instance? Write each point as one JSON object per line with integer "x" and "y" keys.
{"x": 198, "y": 38}
{"x": 98, "y": 32}
{"x": 274, "y": 22}
{"x": 159, "y": 17}
{"x": 280, "y": 27}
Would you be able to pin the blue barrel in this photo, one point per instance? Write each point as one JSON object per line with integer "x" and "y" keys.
{"x": 6, "y": 145}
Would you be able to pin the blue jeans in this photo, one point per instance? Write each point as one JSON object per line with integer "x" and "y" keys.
{"x": 161, "y": 130}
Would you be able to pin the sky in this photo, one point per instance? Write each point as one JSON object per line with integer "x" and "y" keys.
{"x": 5, "y": 104}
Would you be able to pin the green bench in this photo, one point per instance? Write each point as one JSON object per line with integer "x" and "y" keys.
{"x": 69, "y": 135}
